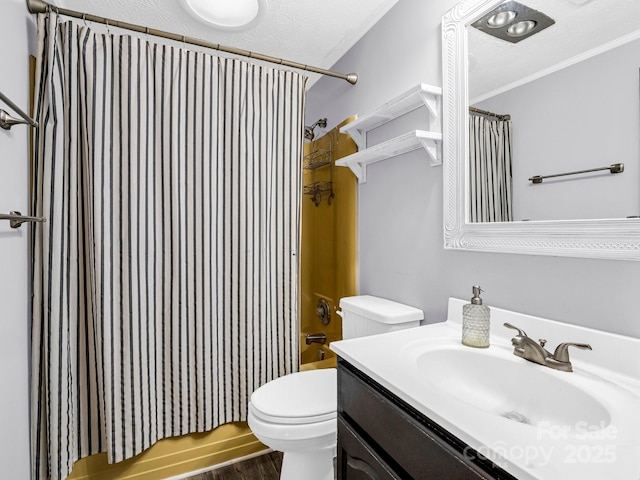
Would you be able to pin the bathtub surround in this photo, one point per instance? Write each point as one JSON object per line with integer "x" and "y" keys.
{"x": 165, "y": 281}
{"x": 328, "y": 251}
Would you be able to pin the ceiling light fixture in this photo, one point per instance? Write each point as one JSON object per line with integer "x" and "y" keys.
{"x": 513, "y": 22}
{"x": 234, "y": 15}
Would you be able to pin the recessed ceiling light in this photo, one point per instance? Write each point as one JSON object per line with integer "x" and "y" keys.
{"x": 227, "y": 14}
{"x": 501, "y": 19}
{"x": 521, "y": 28}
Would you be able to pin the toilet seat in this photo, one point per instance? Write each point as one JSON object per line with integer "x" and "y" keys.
{"x": 297, "y": 398}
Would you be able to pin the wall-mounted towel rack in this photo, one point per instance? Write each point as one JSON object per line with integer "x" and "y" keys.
{"x": 614, "y": 168}
{"x": 7, "y": 121}
{"x": 16, "y": 219}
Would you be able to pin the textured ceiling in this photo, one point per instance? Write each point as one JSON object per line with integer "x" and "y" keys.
{"x": 581, "y": 25}
{"x": 311, "y": 32}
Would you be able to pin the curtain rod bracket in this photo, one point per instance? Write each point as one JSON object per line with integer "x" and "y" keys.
{"x": 37, "y": 6}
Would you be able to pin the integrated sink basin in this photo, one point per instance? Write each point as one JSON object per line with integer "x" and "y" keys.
{"x": 533, "y": 421}
{"x": 497, "y": 382}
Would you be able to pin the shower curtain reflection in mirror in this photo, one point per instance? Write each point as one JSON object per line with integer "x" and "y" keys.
{"x": 490, "y": 180}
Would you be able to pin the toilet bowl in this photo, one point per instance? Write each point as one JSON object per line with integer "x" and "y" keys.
{"x": 297, "y": 413}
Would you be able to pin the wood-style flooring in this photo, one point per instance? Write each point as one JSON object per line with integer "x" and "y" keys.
{"x": 263, "y": 467}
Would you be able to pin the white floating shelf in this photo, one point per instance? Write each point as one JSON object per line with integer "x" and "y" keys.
{"x": 430, "y": 141}
{"x": 419, "y": 95}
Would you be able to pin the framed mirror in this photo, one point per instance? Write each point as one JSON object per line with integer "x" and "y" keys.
{"x": 591, "y": 232}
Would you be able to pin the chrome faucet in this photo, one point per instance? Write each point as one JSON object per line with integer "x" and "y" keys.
{"x": 528, "y": 349}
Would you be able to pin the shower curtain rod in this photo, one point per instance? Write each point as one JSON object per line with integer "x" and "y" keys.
{"x": 489, "y": 114}
{"x": 40, "y": 6}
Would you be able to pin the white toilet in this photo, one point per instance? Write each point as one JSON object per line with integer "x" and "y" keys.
{"x": 296, "y": 413}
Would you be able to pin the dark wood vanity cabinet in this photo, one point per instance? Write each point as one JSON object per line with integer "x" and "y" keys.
{"x": 382, "y": 437}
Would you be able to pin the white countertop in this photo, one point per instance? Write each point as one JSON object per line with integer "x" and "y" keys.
{"x": 610, "y": 374}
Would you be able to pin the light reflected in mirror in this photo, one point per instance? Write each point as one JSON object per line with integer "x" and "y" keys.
{"x": 570, "y": 95}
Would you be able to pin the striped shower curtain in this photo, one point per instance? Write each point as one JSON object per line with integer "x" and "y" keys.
{"x": 165, "y": 279}
{"x": 490, "y": 180}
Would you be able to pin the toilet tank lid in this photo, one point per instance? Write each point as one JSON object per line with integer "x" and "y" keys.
{"x": 380, "y": 309}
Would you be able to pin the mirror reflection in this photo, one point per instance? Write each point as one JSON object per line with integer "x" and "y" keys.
{"x": 559, "y": 101}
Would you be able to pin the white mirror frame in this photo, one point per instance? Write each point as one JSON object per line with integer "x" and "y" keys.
{"x": 608, "y": 238}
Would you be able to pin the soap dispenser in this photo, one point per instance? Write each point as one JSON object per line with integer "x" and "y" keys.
{"x": 475, "y": 322}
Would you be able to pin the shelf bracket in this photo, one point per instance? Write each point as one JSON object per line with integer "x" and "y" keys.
{"x": 432, "y": 102}
{"x": 433, "y": 149}
{"x": 358, "y": 169}
{"x": 359, "y": 136}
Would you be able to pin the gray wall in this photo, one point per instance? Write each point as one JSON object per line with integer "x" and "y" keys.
{"x": 14, "y": 189}
{"x": 401, "y": 254}
{"x": 584, "y": 116}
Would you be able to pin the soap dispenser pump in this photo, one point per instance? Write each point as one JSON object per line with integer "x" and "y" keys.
{"x": 475, "y": 322}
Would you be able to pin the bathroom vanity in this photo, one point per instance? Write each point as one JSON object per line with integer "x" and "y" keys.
{"x": 382, "y": 437}
{"x": 418, "y": 404}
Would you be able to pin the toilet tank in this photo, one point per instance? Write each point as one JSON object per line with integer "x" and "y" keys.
{"x": 365, "y": 315}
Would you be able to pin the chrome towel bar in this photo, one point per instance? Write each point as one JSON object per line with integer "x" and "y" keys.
{"x": 614, "y": 168}
{"x": 16, "y": 219}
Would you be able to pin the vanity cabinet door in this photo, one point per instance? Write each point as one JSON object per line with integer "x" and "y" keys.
{"x": 399, "y": 438}
{"x": 357, "y": 460}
